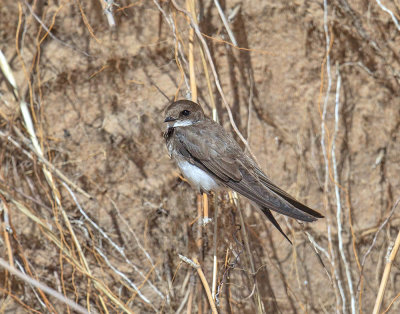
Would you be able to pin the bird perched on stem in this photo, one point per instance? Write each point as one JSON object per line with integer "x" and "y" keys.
{"x": 210, "y": 159}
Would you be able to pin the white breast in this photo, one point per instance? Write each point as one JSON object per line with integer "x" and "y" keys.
{"x": 197, "y": 177}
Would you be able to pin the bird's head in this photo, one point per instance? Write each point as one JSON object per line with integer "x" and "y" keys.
{"x": 183, "y": 113}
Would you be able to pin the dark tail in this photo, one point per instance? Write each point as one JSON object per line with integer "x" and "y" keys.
{"x": 272, "y": 219}
{"x": 287, "y": 197}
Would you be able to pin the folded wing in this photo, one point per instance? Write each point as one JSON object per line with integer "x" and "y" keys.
{"x": 224, "y": 159}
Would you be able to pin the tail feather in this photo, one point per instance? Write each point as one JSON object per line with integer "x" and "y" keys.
{"x": 287, "y": 197}
{"x": 255, "y": 190}
{"x": 272, "y": 219}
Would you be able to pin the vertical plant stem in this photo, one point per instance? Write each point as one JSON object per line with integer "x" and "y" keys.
{"x": 337, "y": 193}
{"x": 215, "y": 259}
{"x": 260, "y": 304}
{"x": 385, "y": 277}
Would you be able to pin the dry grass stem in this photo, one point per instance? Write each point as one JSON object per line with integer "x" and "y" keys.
{"x": 215, "y": 249}
{"x": 386, "y": 272}
{"x": 43, "y": 287}
{"x": 328, "y": 46}
{"x": 206, "y": 286}
{"x": 337, "y": 193}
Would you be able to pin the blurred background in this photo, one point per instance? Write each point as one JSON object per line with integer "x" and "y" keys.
{"x": 92, "y": 207}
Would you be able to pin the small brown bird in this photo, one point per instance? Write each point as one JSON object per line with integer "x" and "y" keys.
{"x": 211, "y": 159}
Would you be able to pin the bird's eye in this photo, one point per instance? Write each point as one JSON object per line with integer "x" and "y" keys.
{"x": 185, "y": 112}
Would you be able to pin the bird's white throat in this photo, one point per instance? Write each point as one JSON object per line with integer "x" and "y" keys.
{"x": 182, "y": 123}
{"x": 197, "y": 177}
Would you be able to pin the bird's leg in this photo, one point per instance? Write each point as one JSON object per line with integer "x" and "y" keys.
{"x": 199, "y": 238}
{"x": 205, "y": 209}
{"x": 203, "y": 216}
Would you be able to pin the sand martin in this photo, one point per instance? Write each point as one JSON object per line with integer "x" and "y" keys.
{"x": 210, "y": 159}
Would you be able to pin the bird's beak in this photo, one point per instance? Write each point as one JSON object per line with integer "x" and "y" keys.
{"x": 169, "y": 119}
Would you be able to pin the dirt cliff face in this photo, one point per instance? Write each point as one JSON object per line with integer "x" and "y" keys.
{"x": 313, "y": 87}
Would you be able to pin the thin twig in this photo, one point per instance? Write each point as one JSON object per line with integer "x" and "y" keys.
{"x": 250, "y": 107}
{"x": 226, "y": 24}
{"x": 22, "y": 270}
{"x": 41, "y": 159}
{"x": 378, "y": 231}
{"x": 51, "y": 34}
{"x": 391, "y": 303}
{"x": 337, "y": 193}
{"x": 139, "y": 244}
{"x": 260, "y": 304}
{"x": 324, "y": 151}
{"x": 171, "y": 24}
{"x": 114, "y": 245}
{"x": 43, "y": 287}
{"x": 184, "y": 301}
{"x": 390, "y": 13}
{"x": 318, "y": 248}
{"x": 124, "y": 277}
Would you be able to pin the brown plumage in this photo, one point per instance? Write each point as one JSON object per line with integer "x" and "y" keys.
{"x": 210, "y": 158}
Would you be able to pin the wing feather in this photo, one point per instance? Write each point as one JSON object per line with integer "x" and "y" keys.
{"x": 213, "y": 150}
{"x": 270, "y": 185}
{"x": 254, "y": 190}
{"x": 218, "y": 159}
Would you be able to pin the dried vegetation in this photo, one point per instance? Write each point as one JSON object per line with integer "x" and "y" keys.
{"x": 94, "y": 216}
